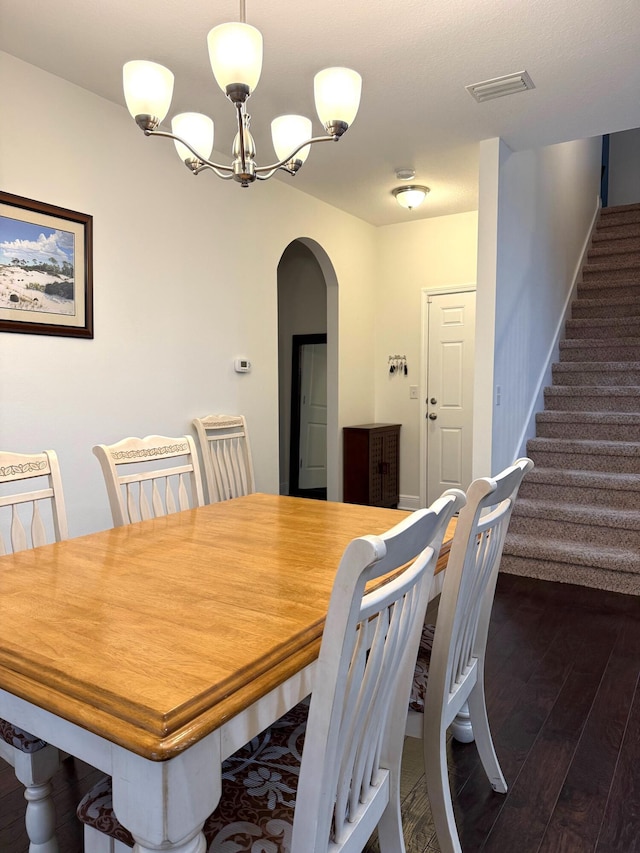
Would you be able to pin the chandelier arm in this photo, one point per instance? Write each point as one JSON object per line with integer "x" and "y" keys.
{"x": 272, "y": 168}
{"x": 273, "y": 171}
{"x": 209, "y": 163}
{"x": 207, "y": 167}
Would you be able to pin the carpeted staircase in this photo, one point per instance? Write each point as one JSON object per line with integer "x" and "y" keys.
{"x": 577, "y": 517}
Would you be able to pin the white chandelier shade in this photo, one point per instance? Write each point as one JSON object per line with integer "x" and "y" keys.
{"x": 337, "y": 95}
{"x": 148, "y": 88}
{"x": 235, "y": 53}
{"x": 197, "y": 130}
{"x": 288, "y": 132}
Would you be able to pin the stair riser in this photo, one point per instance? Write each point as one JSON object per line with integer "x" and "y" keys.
{"x": 627, "y": 218}
{"x": 611, "y": 290}
{"x": 604, "y": 273}
{"x": 583, "y": 496}
{"x": 589, "y": 432}
{"x": 618, "y": 464}
{"x": 591, "y": 403}
{"x": 623, "y": 582}
{"x": 612, "y": 233}
{"x": 629, "y": 245}
{"x": 608, "y": 353}
{"x": 582, "y": 311}
{"x": 615, "y": 253}
{"x": 605, "y": 378}
{"x": 566, "y": 531}
{"x": 581, "y": 330}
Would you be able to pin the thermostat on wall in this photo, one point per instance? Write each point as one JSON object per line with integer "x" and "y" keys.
{"x": 242, "y": 365}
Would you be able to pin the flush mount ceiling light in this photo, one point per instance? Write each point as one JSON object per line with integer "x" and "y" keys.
{"x": 410, "y": 196}
{"x": 235, "y": 53}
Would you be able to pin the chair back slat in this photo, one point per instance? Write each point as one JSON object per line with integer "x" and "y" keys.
{"x": 38, "y": 533}
{"x": 226, "y": 455}
{"x": 183, "y": 497}
{"x": 363, "y": 677}
{"x": 23, "y": 524}
{"x": 150, "y": 491}
{"x": 18, "y": 533}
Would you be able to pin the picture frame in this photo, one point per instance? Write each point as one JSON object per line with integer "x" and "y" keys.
{"x": 46, "y": 269}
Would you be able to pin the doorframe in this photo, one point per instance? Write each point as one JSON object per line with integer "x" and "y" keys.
{"x": 298, "y": 341}
{"x": 425, "y": 293}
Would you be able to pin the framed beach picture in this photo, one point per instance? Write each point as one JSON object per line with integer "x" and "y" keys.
{"x": 46, "y": 272}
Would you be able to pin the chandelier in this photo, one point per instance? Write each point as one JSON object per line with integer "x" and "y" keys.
{"x": 235, "y": 53}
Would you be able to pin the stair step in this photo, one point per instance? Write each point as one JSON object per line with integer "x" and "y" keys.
{"x": 606, "y": 374}
{"x": 590, "y": 398}
{"x": 597, "y": 488}
{"x": 594, "y": 426}
{"x": 604, "y": 557}
{"x": 624, "y": 245}
{"x": 577, "y": 513}
{"x": 601, "y": 327}
{"x": 617, "y": 305}
{"x": 612, "y": 231}
{"x": 589, "y": 525}
{"x": 564, "y": 567}
{"x": 612, "y": 290}
{"x": 600, "y": 349}
{"x": 621, "y": 457}
{"x": 614, "y": 269}
{"x": 621, "y": 215}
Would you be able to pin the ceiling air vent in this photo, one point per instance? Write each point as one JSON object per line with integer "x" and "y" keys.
{"x": 500, "y": 86}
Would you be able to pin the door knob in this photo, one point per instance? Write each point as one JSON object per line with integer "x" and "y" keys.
{"x": 433, "y": 416}
{"x": 433, "y": 401}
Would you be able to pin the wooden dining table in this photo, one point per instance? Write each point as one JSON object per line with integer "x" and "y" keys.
{"x": 154, "y": 651}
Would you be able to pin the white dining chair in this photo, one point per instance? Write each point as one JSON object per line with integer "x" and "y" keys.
{"x": 449, "y": 675}
{"x": 226, "y": 456}
{"x": 29, "y": 519}
{"x": 150, "y": 477}
{"x": 326, "y": 774}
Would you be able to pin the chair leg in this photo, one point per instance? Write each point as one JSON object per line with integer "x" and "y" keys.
{"x": 390, "y": 835}
{"x": 484, "y": 741}
{"x": 461, "y": 727}
{"x": 35, "y": 770}
{"x": 437, "y": 775}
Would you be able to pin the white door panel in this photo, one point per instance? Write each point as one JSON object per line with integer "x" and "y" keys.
{"x": 312, "y": 472}
{"x": 449, "y": 391}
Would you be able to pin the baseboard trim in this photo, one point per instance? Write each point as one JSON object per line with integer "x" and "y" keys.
{"x": 409, "y": 502}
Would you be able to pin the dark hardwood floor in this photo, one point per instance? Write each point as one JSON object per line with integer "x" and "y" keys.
{"x": 564, "y": 705}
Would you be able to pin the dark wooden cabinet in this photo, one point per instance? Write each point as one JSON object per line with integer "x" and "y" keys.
{"x": 371, "y": 463}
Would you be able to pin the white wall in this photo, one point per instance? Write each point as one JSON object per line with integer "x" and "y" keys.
{"x": 624, "y": 167}
{"x": 424, "y": 254}
{"x": 177, "y": 295}
{"x": 546, "y": 201}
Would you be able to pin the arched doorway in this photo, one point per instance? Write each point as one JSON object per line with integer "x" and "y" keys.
{"x": 307, "y": 317}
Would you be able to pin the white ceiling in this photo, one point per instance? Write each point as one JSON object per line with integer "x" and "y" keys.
{"x": 415, "y": 59}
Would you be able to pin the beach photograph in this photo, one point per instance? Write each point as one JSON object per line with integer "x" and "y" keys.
{"x": 36, "y": 268}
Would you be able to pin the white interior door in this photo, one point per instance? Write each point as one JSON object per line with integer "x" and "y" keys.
{"x": 449, "y": 391}
{"x": 312, "y": 473}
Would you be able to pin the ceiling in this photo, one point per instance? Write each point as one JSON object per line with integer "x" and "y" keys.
{"x": 415, "y": 59}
